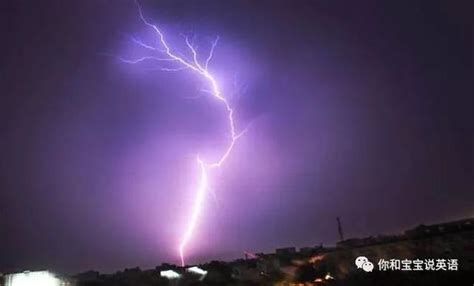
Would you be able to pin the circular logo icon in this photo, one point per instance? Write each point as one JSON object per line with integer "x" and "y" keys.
{"x": 364, "y": 263}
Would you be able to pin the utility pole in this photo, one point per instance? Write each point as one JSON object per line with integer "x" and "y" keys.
{"x": 339, "y": 229}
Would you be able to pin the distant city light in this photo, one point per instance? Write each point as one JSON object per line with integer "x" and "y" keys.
{"x": 37, "y": 278}
{"x": 197, "y": 270}
{"x": 328, "y": 276}
{"x": 170, "y": 274}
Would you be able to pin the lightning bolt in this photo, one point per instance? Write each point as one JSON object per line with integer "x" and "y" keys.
{"x": 172, "y": 61}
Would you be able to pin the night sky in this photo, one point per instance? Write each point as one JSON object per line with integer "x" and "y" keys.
{"x": 359, "y": 110}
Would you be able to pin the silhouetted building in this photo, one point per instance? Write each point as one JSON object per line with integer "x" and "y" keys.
{"x": 285, "y": 251}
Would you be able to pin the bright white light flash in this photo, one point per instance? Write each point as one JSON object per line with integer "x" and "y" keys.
{"x": 197, "y": 270}
{"x": 170, "y": 60}
{"x": 170, "y": 274}
{"x": 27, "y": 278}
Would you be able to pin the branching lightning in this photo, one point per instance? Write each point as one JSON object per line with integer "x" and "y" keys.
{"x": 165, "y": 54}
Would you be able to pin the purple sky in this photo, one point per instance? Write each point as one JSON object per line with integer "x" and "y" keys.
{"x": 362, "y": 111}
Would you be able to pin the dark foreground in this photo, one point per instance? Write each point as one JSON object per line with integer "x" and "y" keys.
{"x": 440, "y": 243}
